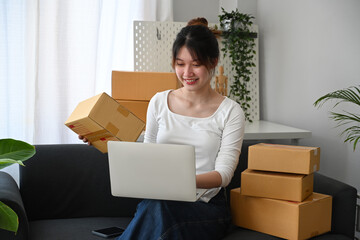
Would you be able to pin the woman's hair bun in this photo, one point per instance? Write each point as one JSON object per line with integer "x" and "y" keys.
{"x": 203, "y": 22}
{"x": 198, "y": 21}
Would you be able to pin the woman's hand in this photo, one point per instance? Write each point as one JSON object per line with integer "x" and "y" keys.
{"x": 85, "y": 140}
{"x": 208, "y": 180}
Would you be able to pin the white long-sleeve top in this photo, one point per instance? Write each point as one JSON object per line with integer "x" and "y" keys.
{"x": 217, "y": 139}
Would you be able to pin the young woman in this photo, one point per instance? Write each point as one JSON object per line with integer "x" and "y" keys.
{"x": 197, "y": 115}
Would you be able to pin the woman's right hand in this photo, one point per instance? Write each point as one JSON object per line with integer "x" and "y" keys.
{"x": 85, "y": 140}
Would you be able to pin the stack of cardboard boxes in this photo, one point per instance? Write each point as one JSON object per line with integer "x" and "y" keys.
{"x": 276, "y": 195}
{"x": 134, "y": 90}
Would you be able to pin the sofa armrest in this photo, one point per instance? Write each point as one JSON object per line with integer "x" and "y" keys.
{"x": 10, "y": 195}
{"x": 343, "y": 205}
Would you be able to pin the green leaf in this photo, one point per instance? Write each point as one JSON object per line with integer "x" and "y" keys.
{"x": 351, "y": 95}
{"x": 14, "y": 151}
{"x": 9, "y": 161}
{"x": 345, "y": 118}
{"x": 8, "y": 218}
{"x": 355, "y": 143}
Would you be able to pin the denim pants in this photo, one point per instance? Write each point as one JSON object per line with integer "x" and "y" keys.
{"x": 173, "y": 220}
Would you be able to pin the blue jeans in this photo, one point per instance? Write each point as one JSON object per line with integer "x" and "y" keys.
{"x": 159, "y": 220}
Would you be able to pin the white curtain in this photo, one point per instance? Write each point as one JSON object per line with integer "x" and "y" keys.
{"x": 56, "y": 53}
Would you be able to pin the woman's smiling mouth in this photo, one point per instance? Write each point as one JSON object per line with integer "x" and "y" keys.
{"x": 190, "y": 81}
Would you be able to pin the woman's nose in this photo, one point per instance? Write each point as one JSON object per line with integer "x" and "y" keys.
{"x": 188, "y": 71}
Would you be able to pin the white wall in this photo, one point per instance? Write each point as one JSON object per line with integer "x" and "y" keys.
{"x": 185, "y": 10}
{"x": 307, "y": 49}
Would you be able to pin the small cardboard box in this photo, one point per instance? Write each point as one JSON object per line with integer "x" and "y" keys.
{"x": 284, "y": 186}
{"x": 285, "y": 219}
{"x": 101, "y": 119}
{"x": 284, "y": 158}
{"x": 141, "y": 86}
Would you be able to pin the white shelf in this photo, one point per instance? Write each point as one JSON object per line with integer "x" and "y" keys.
{"x": 261, "y": 130}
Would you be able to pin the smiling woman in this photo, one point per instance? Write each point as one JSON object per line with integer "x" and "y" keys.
{"x": 196, "y": 115}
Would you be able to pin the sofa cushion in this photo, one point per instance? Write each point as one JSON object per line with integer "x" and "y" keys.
{"x": 73, "y": 229}
{"x": 69, "y": 181}
{"x": 242, "y": 233}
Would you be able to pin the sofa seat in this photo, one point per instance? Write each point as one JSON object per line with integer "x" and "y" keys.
{"x": 80, "y": 228}
{"x": 73, "y": 228}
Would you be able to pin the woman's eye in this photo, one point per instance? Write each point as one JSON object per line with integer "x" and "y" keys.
{"x": 180, "y": 64}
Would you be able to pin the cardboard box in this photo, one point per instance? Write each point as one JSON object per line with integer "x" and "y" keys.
{"x": 285, "y": 219}
{"x": 284, "y": 158}
{"x": 141, "y": 85}
{"x": 139, "y": 108}
{"x": 285, "y": 186}
{"x": 101, "y": 119}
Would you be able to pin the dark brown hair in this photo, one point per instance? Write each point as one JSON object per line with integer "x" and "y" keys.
{"x": 200, "y": 41}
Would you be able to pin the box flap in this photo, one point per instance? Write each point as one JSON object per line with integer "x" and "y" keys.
{"x": 83, "y": 109}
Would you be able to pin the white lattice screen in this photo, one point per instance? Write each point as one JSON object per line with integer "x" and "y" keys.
{"x": 152, "y": 53}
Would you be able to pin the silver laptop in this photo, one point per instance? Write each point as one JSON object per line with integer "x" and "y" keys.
{"x": 153, "y": 171}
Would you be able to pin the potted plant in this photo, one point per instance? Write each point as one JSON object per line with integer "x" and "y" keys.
{"x": 12, "y": 151}
{"x": 239, "y": 43}
{"x": 351, "y": 120}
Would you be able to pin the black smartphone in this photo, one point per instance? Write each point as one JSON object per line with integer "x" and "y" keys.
{"x": 109, "y": 232}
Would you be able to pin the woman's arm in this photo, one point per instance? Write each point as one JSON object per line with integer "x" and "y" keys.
{"x": 152, "y": 126}
{"x": 230, "y": 147}
{"x": 228, "y": 155}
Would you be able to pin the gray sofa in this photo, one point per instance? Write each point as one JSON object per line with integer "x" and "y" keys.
{"x": 65, "y": 194}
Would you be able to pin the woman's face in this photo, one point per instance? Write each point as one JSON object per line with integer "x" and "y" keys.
{"x": 190, "y": 73}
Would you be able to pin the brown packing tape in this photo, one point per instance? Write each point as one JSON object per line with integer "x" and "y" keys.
{"x": 101, "y": 144}
{"x": 123, "y": 111}
{"x": 290, "y": 147}
{"x": 99, "y": 135}
{"x": 286, "y": 146}
{"x": 112, "y": 128}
